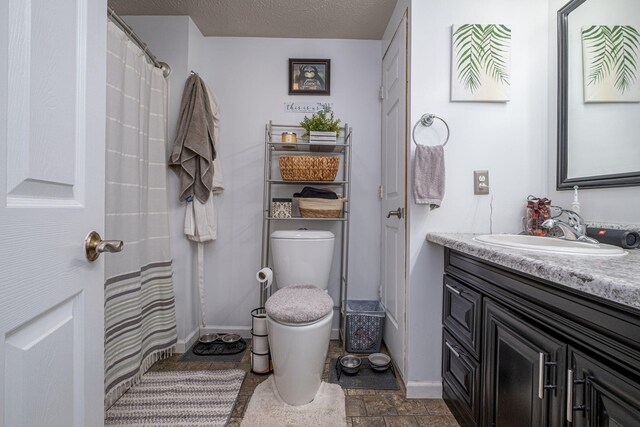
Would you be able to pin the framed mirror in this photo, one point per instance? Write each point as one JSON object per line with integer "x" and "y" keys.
{"x": 598, "y": 94}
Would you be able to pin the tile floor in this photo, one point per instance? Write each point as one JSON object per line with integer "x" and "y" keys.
{"x": 384, "y": 408}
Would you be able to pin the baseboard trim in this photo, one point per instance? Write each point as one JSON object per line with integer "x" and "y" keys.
{"x": 183, "y": 345}
{"x": 335, "y": 334}
{"x": 424, "y": 390}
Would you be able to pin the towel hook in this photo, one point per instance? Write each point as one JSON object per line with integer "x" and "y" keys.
{"x": 427, "y": 120}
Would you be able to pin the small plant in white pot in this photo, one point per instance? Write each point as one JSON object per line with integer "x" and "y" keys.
{"x": 321, "y": 127}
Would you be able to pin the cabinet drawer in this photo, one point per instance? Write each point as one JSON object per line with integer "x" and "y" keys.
{"x": 461, "y": 379}
{"x": 461, "y": 314}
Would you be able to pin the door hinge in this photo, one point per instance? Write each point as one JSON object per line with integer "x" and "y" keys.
{"x": 381, "y": 191}
{"x": 380, "y": 293}
{"x": 381, "y": 92}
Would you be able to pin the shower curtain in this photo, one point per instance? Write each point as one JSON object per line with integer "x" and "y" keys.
{"x": 140, "y": 321}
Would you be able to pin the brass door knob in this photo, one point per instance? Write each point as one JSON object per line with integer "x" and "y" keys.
{"x": 94, "y": 246}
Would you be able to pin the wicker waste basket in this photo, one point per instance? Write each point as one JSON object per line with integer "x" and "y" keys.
{"x": 320, "y": 208}
{"x": 309, "y": 168}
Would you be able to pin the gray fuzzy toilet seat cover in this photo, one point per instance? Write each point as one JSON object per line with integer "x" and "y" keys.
{"x": 299, "y": 304}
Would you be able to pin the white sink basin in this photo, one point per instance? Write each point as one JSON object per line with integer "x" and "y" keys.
{"x": 550, "y": 245}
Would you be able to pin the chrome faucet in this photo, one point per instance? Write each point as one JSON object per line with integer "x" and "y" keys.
{"x": 573, "y": 229}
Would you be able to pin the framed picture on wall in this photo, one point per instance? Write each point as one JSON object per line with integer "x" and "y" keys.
{"x": 481, "y": 63}
{"x": 309, "y": 76}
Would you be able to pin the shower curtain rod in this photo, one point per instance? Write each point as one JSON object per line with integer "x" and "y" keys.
{"x": 115, "y": 18}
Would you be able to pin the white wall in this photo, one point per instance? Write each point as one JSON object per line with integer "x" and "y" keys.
{"x": 611, "y": 205}
{"x": 249, "y": 77}
{"x": 508, "y": 139}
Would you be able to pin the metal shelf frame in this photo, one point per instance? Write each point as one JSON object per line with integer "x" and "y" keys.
{"x": 274, "y": 148}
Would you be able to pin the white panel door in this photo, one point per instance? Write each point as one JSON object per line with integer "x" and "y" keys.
{"x": 394, "y": 112}
{"x": 52, "y": 120}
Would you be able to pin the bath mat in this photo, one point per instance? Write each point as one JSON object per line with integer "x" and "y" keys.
{"x": 214, "y": 353}
{"x": 266, "y": 408}
{"x": 178, "y": 398}
{"x": 365, "y": 378}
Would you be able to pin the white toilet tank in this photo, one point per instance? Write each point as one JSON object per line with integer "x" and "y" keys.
{"x": 302, "y": 257}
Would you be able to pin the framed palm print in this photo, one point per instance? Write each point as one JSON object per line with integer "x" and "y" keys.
{"x": 481, "y": 63}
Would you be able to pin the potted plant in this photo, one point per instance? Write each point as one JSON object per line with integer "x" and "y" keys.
{"x": 321, "y": 127}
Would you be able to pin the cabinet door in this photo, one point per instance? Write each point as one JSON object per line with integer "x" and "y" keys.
{"x": 522, "y": 370}
{"x": 600, "y": 396}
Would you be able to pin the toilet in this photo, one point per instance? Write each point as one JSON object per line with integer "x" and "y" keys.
{"x": 300, "y": 313}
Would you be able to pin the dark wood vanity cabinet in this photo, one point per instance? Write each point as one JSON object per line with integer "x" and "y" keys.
{"x": 516, "y": 348}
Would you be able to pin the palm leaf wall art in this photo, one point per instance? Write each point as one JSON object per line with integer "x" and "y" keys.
{"x": 610, "y": 59}
{"x": 481, "y": 62}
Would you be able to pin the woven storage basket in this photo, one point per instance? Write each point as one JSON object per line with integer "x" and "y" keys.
{"x": 309, "y": 168}
{"x": 320, "y": 208}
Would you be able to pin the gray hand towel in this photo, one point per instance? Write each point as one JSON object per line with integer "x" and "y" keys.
{"x": 193, "y": 149}
{"x": 428, "y": 175}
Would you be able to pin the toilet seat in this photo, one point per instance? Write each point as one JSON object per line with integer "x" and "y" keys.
{"x": 299, "y": 305}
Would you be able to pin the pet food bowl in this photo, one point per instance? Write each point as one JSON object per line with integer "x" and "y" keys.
{"x": 208, "y": 338}
{"x": 350, "y": 364}
{"x": 231, "y": 338}
{"x": 379, "y": 361}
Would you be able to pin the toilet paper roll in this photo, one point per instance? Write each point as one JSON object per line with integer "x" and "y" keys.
{"x": 260, "y": 345}
{"x": 260, "y": 364}
{"x": 260, "y": 325}
{"x": 265, "y": 276}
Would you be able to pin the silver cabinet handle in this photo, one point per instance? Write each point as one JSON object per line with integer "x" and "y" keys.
{"x": 453, "y": 350}
{"x": 570, "y": 385}
{"x": 569, "y": 395}
{"x": 452, "y": 289}
{"x": 399, "y": 213}
{"x": 542, "y": 377}
{"x": 94, "y": 246}
{"x": 541, "y": 357}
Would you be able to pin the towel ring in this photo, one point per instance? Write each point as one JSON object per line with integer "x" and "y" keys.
{"x": 427, "y": 120}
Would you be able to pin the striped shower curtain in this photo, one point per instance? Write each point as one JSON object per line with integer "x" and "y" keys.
{"x": 140, "y": 320}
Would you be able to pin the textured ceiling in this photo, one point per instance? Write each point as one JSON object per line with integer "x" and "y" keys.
{"x": 334, "y": 19}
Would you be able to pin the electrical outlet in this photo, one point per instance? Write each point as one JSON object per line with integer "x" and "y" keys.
{"x": 480, "y": 182}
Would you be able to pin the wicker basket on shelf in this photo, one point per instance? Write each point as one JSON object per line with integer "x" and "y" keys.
{"x": 309, "y": 168}
{"x": 320, "y": 208}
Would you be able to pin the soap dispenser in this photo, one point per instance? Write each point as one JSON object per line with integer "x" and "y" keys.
{"x": 575, "y": 205}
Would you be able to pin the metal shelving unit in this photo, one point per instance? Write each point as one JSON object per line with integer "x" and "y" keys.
{"x": 275, "y": 148}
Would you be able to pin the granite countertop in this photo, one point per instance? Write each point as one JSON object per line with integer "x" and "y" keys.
{"x": 613, "y": 278}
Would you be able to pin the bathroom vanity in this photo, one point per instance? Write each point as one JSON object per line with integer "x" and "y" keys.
{"x": 537, "y": 339}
